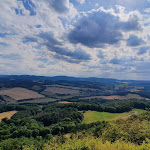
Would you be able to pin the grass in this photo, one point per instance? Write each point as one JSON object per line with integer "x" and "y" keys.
{"x": 8, "y": 115}
{"x": 93, "y": 116}
{"x": 139, "y": 111}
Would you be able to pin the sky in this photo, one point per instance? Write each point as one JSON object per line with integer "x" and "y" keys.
{"x": 80, "y": 38}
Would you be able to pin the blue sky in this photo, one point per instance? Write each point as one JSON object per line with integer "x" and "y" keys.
{"x": 81, "y": 38}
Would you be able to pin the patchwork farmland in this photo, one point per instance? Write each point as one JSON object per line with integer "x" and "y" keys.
{"x": 118, "y": 97}
{"x": 20, "y": 94}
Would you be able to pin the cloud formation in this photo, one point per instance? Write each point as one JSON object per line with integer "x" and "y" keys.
{"x": 81, "y": 1}
{"x": 60, "y": 6}
{"x": 29, "y": 39}
{"x": 134, "y": 40}
{"x": 143, "y": 50}
{"x": 99, "y": 28}
{"x": 75, "y": 37}
{"x": 30, "y": 6}
{"x": 62, "y": 52}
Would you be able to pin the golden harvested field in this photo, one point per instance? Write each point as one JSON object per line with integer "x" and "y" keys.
{"x": 112, "y": 97}
{"x": 71, "y": 87}
{"x": 126, "y": 97}
{"x": 8, "y": 114}
{"x": 20, "y": 94}
{"x": 61, "y": 89}
{"x": 64, "y": 102}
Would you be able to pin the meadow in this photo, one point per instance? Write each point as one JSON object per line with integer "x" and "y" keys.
{"x": 93, "y": 116}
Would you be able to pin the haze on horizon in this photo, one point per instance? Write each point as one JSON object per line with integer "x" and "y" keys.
{"x": 80, "y": 38}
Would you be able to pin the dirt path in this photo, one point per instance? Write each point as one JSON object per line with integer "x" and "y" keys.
{"x": 133, "y": 113}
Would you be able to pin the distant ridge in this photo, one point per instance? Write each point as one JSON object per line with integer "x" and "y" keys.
{"x": 67, "y": 78}
{"x": 58, "y": 78}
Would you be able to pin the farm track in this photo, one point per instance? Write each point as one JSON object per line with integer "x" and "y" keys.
{"x": 134, "y": 113}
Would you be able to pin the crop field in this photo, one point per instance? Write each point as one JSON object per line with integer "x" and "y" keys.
{"x": 8, "y": 99}
{"x": 126, "y": 97}
{"x": 64, "y": 102}
{"x": 55, "y": 89}
{"x": 20, "y": 94}
{"x": 112, "y": 97}
{"x": 8, "y": 114}
{"x": 139, "y": 110}
{"x": 58, "y": 90}
{"x": 71, "y": 87}
{"x": 93, "y": 116}
{"x": 66, "y": 90}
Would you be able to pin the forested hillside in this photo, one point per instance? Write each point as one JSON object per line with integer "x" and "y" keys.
{"x": 34, "y": 127}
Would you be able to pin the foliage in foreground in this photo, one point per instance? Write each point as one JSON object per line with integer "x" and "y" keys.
{"x": 35, "y": 128}
{"x": 81, "y": 142}
{"x": 76, "y": 142}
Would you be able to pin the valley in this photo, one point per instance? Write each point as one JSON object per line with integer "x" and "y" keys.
{"x": 40, "y": 112}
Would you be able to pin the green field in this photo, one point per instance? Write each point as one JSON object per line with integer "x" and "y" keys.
{"x": 93, "y": 116}
{"x": 139, "y": 110}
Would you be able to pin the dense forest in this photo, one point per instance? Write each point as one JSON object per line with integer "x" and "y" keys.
{"x": 34, "y": 127}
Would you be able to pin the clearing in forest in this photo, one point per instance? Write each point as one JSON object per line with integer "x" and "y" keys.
{"x": 7, "y": 114}
{"x": 93, "y": 116}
